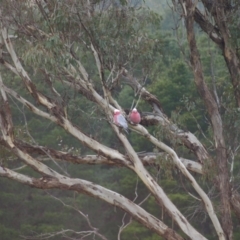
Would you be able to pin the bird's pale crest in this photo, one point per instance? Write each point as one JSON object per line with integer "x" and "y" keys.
{"x": 116, "y": 111}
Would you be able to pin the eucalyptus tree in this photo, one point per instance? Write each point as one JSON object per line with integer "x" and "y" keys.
{"x": 218, "y": 19}
{"x": 90, "y": 49}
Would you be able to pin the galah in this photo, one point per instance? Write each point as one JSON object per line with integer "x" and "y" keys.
{"x": 134, "y": 116}
{"x": 120, "y": 120}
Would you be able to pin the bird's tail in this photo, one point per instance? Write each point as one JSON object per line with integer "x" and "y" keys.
{"x": 126, "y": 130}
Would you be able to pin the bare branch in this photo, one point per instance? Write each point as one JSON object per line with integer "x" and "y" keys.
{"x": 186, "y": 137}
{"x": 148, "y": 158}
{"x": 182, "y": 168}
{"x": 94, "y": 190}
{"x": 94, "y": 230}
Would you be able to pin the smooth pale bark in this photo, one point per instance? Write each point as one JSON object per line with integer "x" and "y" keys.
{"x": 101, "y": 149}
{"x": 65, "y": 123}
{"x": 97, "y": 98}
{"x": 52, "y": 179}
{"x": 138, "y": 167}
{"x": 186, "y": 137}
{"x": 60, "y": 119}
{"x": 94, "y": 190}
{"x": 108, "y": 152}
{"x": 148, "y": 158}
{"x": 156, "y": 190}
{"x": 182, "y": 168}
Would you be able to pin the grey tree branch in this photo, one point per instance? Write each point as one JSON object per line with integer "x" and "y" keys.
{"x": 136, "y": 164}
{"x": 186, "y": 137}
{"x": 94, "y": 190}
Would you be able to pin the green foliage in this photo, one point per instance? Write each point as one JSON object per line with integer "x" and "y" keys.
{"x": 172, "y": 86}
{"x": 234, "y": 25}
{"x": 123, "y": 36}
{"x": 130, "y": 42}
{"x": 176, "y": 91}
{"x": 180, "y": 200}
{"x": 8, "y": 233}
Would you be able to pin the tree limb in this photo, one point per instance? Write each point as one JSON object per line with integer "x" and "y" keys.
{"x": 94, "y": 190}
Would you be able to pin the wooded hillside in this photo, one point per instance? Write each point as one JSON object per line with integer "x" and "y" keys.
{"x": 68, "y": 170}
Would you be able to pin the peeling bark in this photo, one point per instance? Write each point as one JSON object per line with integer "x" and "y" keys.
{"x": 187, "y": 138}
{"x": 157, "y": 191}
{"x": 216, "y": 121}
{"x": 54, "y": 112}
{"x": 181, "y": 167}
{"x": 45, "y": 153}
{"x": 101, "y": 149}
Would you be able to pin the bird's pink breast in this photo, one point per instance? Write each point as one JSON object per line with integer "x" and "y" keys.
{"x": 135, "y": 117}
{"x": 115, "y": 119}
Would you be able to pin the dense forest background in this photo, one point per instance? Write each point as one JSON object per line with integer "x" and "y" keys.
{"x": 28, "y": 213}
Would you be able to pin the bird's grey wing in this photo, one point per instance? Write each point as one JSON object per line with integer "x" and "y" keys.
{"x": 122, "y": 121}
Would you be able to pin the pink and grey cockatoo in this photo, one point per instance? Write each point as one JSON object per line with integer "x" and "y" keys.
{"x": 120, "y": 120}
{"x": 134, "y": 116}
